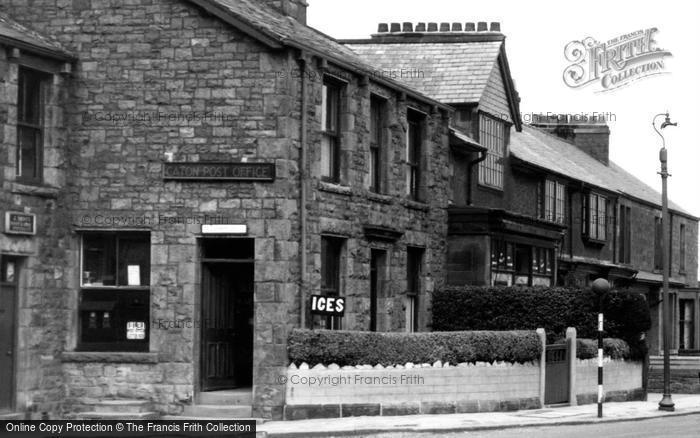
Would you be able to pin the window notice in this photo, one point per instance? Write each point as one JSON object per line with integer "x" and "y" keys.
{"x": 135, "y": 330}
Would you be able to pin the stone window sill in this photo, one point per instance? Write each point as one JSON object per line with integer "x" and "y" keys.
{"x": 416, "y": 205}
{"x": 334, "y": 188}
{"x": 32, "y": 190}
{"x": 378, "y": 197}
{"x": 102, "y": 356}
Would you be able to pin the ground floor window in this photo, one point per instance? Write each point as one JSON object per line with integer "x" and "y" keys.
{"x": 114, "y": 308}
{"x": 331, "y": 249}
{"x": 414, "y": 268}
{"x": 521, "y": 264}
{"x": 686, "y": 324}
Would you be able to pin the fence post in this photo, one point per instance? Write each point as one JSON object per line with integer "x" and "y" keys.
{"x": 571, "y": 344}
{"x": 543, "y": 363}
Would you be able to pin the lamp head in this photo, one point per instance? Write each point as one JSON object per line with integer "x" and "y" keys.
{"x": 601, "y": 286}
{"x": 668, "y": 122}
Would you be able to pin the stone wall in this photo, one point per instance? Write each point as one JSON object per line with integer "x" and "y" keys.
{"x": 325, "y": 392}
{"x": 43, "y": 260}
{"x": 685, "y": 374}
{"x": 147, "y": 73}
{"x": 622, "y": 380}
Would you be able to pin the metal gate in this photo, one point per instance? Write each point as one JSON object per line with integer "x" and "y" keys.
{"x": 556, "y": 383}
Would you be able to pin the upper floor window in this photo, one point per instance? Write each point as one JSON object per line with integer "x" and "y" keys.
{"x": 376, "y": 143}
{"x": 554, "y": 205}
{"x": 492, "y": 135}
{"x": 625, "y": 252}
{"x": 414, "y": 144}
{"x": 330, "y": 123}
{"x": 681, "y": 249}
{"x": 114, "y": 295}
{"x": 595, "y": 217}
{"x": 30, "y": 125}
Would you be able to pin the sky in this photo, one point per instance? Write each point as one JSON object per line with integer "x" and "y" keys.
{"x": 536, "y": 35}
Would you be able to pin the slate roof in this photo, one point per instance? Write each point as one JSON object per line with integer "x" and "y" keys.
{"x": 289, "y": 32}
{"x": 547, "y": 151}
{"x": 451, "y": 72}
{"x": 24, "y": 38}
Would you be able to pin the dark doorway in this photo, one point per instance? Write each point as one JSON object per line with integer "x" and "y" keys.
{"x": 8, "y": 308}
{"x": 227, "y": 314}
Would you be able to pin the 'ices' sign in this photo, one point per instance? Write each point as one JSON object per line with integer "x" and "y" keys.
{"x": 325, "y": 305}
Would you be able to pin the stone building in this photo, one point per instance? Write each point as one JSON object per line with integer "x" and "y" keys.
{"x": 200, "y": 170}
{"x": 180, "y": 177}
{"x": 544, "y": 205}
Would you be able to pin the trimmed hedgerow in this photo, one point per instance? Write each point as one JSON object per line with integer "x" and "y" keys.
{"x": 612, "y": 347}
{"x": 373, "y": 348}
{"x": 554, "y": 309}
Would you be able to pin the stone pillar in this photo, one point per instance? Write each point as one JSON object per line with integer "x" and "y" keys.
{"x": 571, "y": 355}
{"x": 543, "y": 363}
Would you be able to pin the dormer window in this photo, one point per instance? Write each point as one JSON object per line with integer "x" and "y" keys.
{"x": 492, "y": 135}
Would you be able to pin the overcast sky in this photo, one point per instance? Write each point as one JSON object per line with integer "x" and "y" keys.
{"x": 536, "y": 34}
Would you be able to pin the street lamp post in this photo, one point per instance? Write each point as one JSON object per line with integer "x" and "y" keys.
{"x": 666, "y": 403}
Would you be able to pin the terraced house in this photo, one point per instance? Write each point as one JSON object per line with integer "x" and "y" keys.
{"x": 544, "y": 205}
{"x": 180, "y": 177}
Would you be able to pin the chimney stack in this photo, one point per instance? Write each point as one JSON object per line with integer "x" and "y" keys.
{"x": 592, "y": 135}
{"x": 291, "y": 8}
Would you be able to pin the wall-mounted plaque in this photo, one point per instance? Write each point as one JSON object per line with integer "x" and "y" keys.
{"x": 219, "y": 171}
{"x": 20, "y": 223}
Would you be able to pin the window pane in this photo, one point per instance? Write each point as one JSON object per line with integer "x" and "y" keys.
{"x": 327, "y": 156}
{"x": 30, "y": 109}
{"x": 99, "y": 260}
{"x": 28, "y": 151}
{"x": 134, "y": 261}
{"x": 114, "y": 320}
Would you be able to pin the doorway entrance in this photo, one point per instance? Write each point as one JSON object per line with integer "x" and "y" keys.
{"x": 227, "y": 314}
{"x": 9, "y": 278}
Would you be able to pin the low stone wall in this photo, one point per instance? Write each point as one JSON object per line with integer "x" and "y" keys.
{"x": 327, "y": 392}
{"x": 685, "y": 374}
{"x": 90, "y": 379}
{"x": 622, "y": 380}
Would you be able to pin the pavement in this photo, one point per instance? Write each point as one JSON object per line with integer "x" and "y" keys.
{"x": 450, "y": 423}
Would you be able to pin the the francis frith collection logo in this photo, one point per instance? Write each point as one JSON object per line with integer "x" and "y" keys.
{"x": 616, "y": 62}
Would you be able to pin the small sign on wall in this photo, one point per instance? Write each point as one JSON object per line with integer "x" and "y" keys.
{"x": 135, "y": 330}
{"x": 20, "y": 223}
{"x": 325, "y": 305}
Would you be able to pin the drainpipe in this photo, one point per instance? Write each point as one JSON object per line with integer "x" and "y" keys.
{"x": 302, "y": 184}
{"x": 470, "y": 166}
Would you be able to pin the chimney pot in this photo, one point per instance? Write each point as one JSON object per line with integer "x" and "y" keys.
{"x": 383, "y": 27}
{"x": 407, "y": 26}
{"x": 420, "y": 27}
{"x": 456, "y": 27}
{"x": 495, "y": 26}
{"x": 482, "y": 26}
{"x": 395, "y": 27}
{"x": 469, "y": 27}
{"x": 432, "y": 27}
{"x": 444, "y": 27}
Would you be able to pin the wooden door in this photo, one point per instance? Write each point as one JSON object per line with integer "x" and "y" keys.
{"x": 227, "y": 332}
{"x": 8, "y": 306}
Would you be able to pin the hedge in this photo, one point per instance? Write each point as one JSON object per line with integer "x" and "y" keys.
{"x": 554, "y": 309}
{"x": 612, "y": 347}
{"x": 373, "y": 348}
